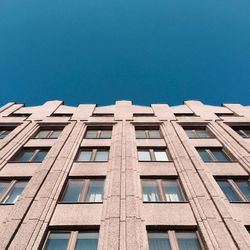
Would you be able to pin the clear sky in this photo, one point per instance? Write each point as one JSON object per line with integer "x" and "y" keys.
{"x": 150, "y": 51}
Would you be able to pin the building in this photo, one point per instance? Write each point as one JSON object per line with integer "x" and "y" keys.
{"x": 124, "y": 176}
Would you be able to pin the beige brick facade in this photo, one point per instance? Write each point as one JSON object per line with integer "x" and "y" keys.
{"x": 122, "y": 218}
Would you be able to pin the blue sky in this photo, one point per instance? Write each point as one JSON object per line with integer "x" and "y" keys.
{"x": 150, "y": 51}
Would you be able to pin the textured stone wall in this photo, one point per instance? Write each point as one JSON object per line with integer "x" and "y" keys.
{"x": 122, "y": 218}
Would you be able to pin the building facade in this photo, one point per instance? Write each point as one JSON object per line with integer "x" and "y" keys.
{"x": 124, "y": 176}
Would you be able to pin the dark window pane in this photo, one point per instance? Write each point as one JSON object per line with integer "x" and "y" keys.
{"x": 87, "y": 241}
{"x": 40, "y": 155}
{"x": 140, "y": 134}
{"x": 24, "y": 155}
{"x": 158, "y": 241}
{"x": 91, "y": 134}
{"x": 102, "y": 155}
{"x": 3, "y": 186}
{"x": 105, "y": 134}
{"x": 4, "y": 133}
{"x": 15, "y": 192}
{"x": 42, "y": 134}
{"x": 172, "y": 191}
{"x": 73, "y": 191}
{"x": 188, "y": 241}
{"x": 154, "y": 134}
{"x": 219, "y": 155}
{"x": 84, "y": 155}
{"x": 95, "y": 191}
{"x": 144, "y": 155}
{"x": 204, "y": 155}
{"x": 161, "y": 155}
{"x": 244, "y": 187}
{"x": 150, "y": 191}
{"x": 190, "y": 133}
{"x": 228, "y": 191}
{"x": 55, "y": 134}
{"x": 202, "y": 133}
{"x": 57, "y": 241}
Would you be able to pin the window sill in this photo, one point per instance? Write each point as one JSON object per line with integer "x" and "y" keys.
{"x": 82, "y": 202}
{"x": 7, "y": 204}
{"x": 25, "y": 162}
{"x": 239, "y": 202}
{"x": 155, "y": 161}
{"x": 220, "y": 161}
{"x": 90, "y": 161}
{"x": 165, "y": 202}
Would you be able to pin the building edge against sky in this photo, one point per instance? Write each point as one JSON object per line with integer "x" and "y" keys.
{"x": 125, "y": 176}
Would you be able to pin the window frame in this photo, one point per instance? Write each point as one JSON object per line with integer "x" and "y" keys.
{"x": 93, "y": 154}
{"x": 34, "y": 154}
{"x": 160, "y": 189}
{"x": 152, "y": 154}
{"x": 233, "y": 184}
{"x": 73, "y": 237}
{"x": 147, "y": 131}
{"x": 84, "y": 191}
{"x": 212, "y": 157}
{"x": 9, "y": 188}
{"x": 98, "y": 131}
{"x": 194, "y": 130}
{"x": 172, "y": 236}
{"x": 50, "y": 130}
{"x": 239, "y": 129}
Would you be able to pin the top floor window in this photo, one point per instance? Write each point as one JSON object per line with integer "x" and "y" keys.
{"x": 147, "y": 133}
{"x": 103, "y": 115}
{"x": 98, "y": 133}
{"x": 4, "y": 131}
{"x": 213, "y": 155}
{"x": 30, "y": 155}
{"x": 46, "y": 133}
{"x": 184, "y": 114}
{"x": 243, "y": 131}
{"x": 197, "y": 132}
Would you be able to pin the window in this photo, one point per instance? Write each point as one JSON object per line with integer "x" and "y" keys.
{"x": 103, "y": 115}
{"x": 44, "y": 133}
{"x": 83, "y": 190}
{"x": 147, "y": 133}
{"x": 197, "y": 132}
{"x": 143, "y": 115}
{"x": 19, "y": 115}
{"x": 66, "y": 240}
{"x": 235, "y": 190}
{"x": 213, "y": 155}
{"x": 225, "y": 114}
{"x": 101, "y": 133}
{"x": 4, "y": 131}
{"x": 184, "y": 114}
{"x": 243, "y": 131}
{"x": 10, "y": 190}
{"x": 156, "y": 154}
{"x": 186, "y": 240}
{"x": 61, "y": 115}
{"x": 160, "y": 190}
{"x": 93, "y": 154}
{"x": 30, "y": 155}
